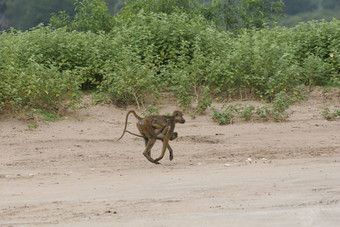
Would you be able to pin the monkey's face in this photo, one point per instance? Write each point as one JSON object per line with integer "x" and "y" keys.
{"x": 178, "y": 117}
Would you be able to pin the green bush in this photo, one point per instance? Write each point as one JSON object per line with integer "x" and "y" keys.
{"x": 36, "y": 86}
{"x": 128, "y": 80}
{"x": 226, "y": 14}
{"x": 27, "y": 80}
{"x": 317, "y": 49}
{"x": 91, "y": 15}
{"x": 204, "y": 100}
{"x": 156, "y": 52}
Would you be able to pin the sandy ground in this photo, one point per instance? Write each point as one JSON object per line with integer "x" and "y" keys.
{"x": 72, "y": 173}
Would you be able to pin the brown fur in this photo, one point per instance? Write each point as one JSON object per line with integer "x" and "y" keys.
{"x": 156, "y": 127}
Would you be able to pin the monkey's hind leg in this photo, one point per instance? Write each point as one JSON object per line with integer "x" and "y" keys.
{"x": 147, "y": 151}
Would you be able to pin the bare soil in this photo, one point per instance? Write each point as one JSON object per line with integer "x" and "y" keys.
{"x": 72, "y": 173}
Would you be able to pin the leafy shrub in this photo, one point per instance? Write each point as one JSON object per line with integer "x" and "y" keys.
{"x": 316, "y": 71}
{"x": 128, "y": 80}
{"x": 317, "y": 42}
{"x": 91, "y": 15}
{"x": 36, "y": 86}
{"x": 29, "y": 78}
{"x": 227, "y": 15}
{"x": 159, "y": 6}
{"x": 158, "y": 47}
{"x": 183, "y": 93}
{"x": 204, "y": 100}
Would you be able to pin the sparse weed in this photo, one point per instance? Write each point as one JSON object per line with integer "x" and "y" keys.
{"x": 275, "y": 111}
{"x": 225, "y": 116}
{"x": 263, "y": 112}
{"x": 330, "y": 116}
{"x": 43, "y": 115}
{"x": 246, "y": 112}
{"x": 33, "y": 125}
{"x": 150, "y": 110}
{"x": 281, "y": 103}
{"x": 49, "y": 116}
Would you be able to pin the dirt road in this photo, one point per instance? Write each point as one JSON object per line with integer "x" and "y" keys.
{"x": 71, "y": 173}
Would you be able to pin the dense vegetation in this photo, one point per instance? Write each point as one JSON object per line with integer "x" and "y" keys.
{"x": 138, "y": 55}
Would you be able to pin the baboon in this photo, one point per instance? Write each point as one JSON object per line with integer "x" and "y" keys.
{"x": 156, "y": 127}
{"x": 160, "y": 126}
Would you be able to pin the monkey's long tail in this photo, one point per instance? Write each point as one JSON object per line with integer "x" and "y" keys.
{"x": 131, "y": 134}
{"x": 134, "y": 134}
{"x": 126, "y": 120}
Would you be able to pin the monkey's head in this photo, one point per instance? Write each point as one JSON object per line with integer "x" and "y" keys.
{"x": 178, "y": 115}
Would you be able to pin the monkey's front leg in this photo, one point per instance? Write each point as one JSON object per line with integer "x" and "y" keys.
{"x": 171, "y": 156}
